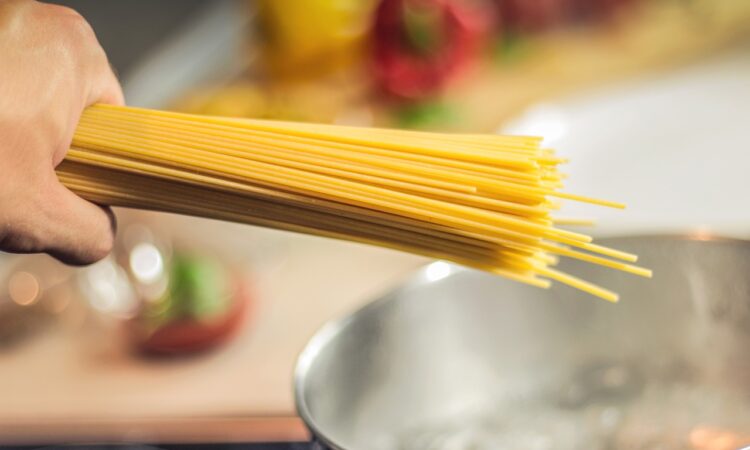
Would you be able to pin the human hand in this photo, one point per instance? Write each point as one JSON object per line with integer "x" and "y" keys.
{"x": 51, "y": 68}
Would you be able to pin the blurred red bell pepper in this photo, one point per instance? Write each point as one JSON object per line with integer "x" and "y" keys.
{"x": 419, "y": 45}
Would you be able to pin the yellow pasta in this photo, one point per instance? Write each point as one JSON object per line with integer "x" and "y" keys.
{"x": 483, "y": 201}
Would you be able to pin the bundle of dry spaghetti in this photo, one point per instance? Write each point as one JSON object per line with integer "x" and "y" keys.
{"x": 483, "y": 201}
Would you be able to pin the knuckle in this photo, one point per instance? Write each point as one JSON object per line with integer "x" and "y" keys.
{"x": 63, "y": 10}
{"x": 73, "y": 37}
{"x": 80, "y": 27}
{"x": 69, "y": 22}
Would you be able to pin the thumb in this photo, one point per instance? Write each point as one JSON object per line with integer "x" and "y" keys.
{"x": 80, "y": 232}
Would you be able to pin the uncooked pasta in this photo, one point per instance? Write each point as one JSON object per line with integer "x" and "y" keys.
{"x": 483, "y": 201}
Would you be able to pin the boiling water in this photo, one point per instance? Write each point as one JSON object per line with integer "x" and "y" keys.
{"x": 604, "y": 407}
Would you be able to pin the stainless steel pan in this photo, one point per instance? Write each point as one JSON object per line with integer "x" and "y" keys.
{"x": 459, "y": 359}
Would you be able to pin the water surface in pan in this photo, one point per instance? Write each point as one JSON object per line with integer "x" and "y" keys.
{"x": 603, "y": 406}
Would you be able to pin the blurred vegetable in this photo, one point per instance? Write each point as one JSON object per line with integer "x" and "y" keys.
{"x": 312, "y": 35}
{"x": 190, "y": 335}
{"x": 419, "y": 45}
{"x": 202, "y": 308}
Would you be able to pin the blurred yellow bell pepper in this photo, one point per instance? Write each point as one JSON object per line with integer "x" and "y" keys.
{"x": 312, "y": 35}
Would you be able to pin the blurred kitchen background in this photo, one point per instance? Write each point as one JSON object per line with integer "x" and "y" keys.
{"x": 189, "y": 332}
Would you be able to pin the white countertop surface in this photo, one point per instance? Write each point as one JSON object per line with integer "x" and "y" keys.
{"x": 673, "y": 147}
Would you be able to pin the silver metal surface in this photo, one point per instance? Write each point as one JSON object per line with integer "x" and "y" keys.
{"x": 473, "y": 361}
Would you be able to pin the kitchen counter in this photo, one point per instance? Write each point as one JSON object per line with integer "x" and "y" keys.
{"x": 84, "y": 381}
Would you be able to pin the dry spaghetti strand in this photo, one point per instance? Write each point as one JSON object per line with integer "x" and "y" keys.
{"x": 483, "y": 201}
